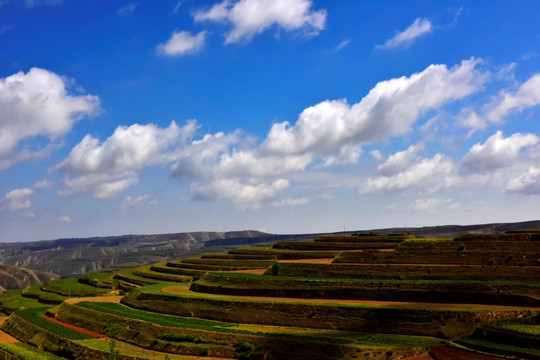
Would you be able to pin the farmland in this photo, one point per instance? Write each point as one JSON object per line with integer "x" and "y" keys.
{"x": 369, "y": 296}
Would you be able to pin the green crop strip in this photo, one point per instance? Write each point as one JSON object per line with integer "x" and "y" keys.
{"x": 520, "y": 326}
{"x": 158, "y": 290}
{"x": 193, "y": 323}
{"x": 12, "y": 300}
{"x": 71, "y": 287}
{"x": 34, "y": 316}
{"x": 495, "y": 345}
{"x": 27, "y": 352}
{"x": 351, "y": 280}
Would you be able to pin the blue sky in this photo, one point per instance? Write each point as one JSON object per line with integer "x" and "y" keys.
{"x": 286, "y": 116}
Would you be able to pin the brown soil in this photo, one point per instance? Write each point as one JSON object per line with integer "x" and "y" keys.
{"x": 251, "y": 271}
{"x": 387, "y": 304}
{"x": 420, "y": 357}
{"x": 76, "y": 328}
{"x": 95, "y": 299}
{"x": 309, "y": 261}
{"x": 4, "y": 337}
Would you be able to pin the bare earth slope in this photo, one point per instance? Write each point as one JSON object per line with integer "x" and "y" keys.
{"x": 14, "y": 277}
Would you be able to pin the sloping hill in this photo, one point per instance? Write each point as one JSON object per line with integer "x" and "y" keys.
{"x": 14, "y": 277}
{"x": 68, "y": 257}
{"x": 78, "y": 256}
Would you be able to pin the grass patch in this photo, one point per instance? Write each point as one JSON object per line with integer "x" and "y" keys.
{"x": 195, "y": 323}
{"x": 391, "y": 341}
{"x": 160, "y": 319}
{"x": 72, "y": 287}
{"x": 102, "y": 276}
{"x": 128, "y": 350}
{"x": 483, "y": 344}
{"x": 158, "y": 290}
{"x": 352, "y": 280}
{"x": 428, "y": 240}
{"x": 520, "y": 326}
{"x": 12, "y": 300}
{"x": 27, "y": 352}
{"x": 35, "y": 317}
{"x": 36, "y": 292}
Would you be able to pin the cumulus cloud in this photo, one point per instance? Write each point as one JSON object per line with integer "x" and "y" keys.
{"x": 198, "y": 159}
{"x": 389, "y": 109}
{"x": 42, "y": 184}
{"x": 331, "y": 133}
{"x": 497, "y": 152}
{"x": 37, "y": 104}
{"x": 250, "y": 164}
{"x": 137, "y": 202}
{"x": 418, "y": 28}
{"x": 234, "y": 167}
{"x": 429, "y": 173}
{"x": 182, "y": 43}
{"x": 528, "y": 95}
{"x": 106, "y": 168}
{"x": 289, "y": 202}
{"x": 244, "y": 195}
{"x": 527, "y": 183}
{"x": 399, "y": 161}
{"x": 16, "y": 200}
{"x": 252, "y": 17}
{"x": 64, "y": 219}
{"x": 431, "y": 204}
{"x": 502, "y": 105}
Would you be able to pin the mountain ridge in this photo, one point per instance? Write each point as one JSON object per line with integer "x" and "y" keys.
{"x": 78, "y": 256}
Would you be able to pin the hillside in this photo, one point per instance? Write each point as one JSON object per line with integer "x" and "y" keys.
{"x": 375, "y": 296}
{"x": 78, "y": 256}
{"x": 14, "y": 277}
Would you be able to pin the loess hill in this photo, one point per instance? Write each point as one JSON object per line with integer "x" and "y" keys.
{"x": 348, "y": 296}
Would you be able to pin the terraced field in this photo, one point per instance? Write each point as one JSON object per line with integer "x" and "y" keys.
{"x": 360, "y": 296}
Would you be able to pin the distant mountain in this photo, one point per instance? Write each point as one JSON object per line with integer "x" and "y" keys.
{"x": 70, "y": 257}
{"x": 14, "y": 277}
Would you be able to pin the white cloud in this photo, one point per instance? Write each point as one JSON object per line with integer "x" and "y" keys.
{"x": 65, "y": 219}
{"x": 42, "y": 184}
{"x": 348, "y": 154}
{"x": 497, "y": 152}
{"x": 429, "y": 173}
{"x": 418, "y": 28}
{"x": 198, "y": 159}
{"x": 252, "y": 17}
{"x": 244, "y": 196}
{"x": 289, "y": 202}
{"x": 137, "y": 202}
{"x": 377, "y": 155}
{"x": 389, "y": 109}
{"x": 37, "y": 104}
{"x": 399, "y": 161}
{"x": 341, "y": 45}
{"x": 105, "y": 169}
{"x": 16, "y": 200}
{"x": 250, "y": 164}
{"x": 528, "y": 183}
{"x": 182, "y": 43}
{"x": 34, "y": 3}
{"x": 127, "y": 10}
{"x": 528, "y": 95}
{"x": 431, "y": 204}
